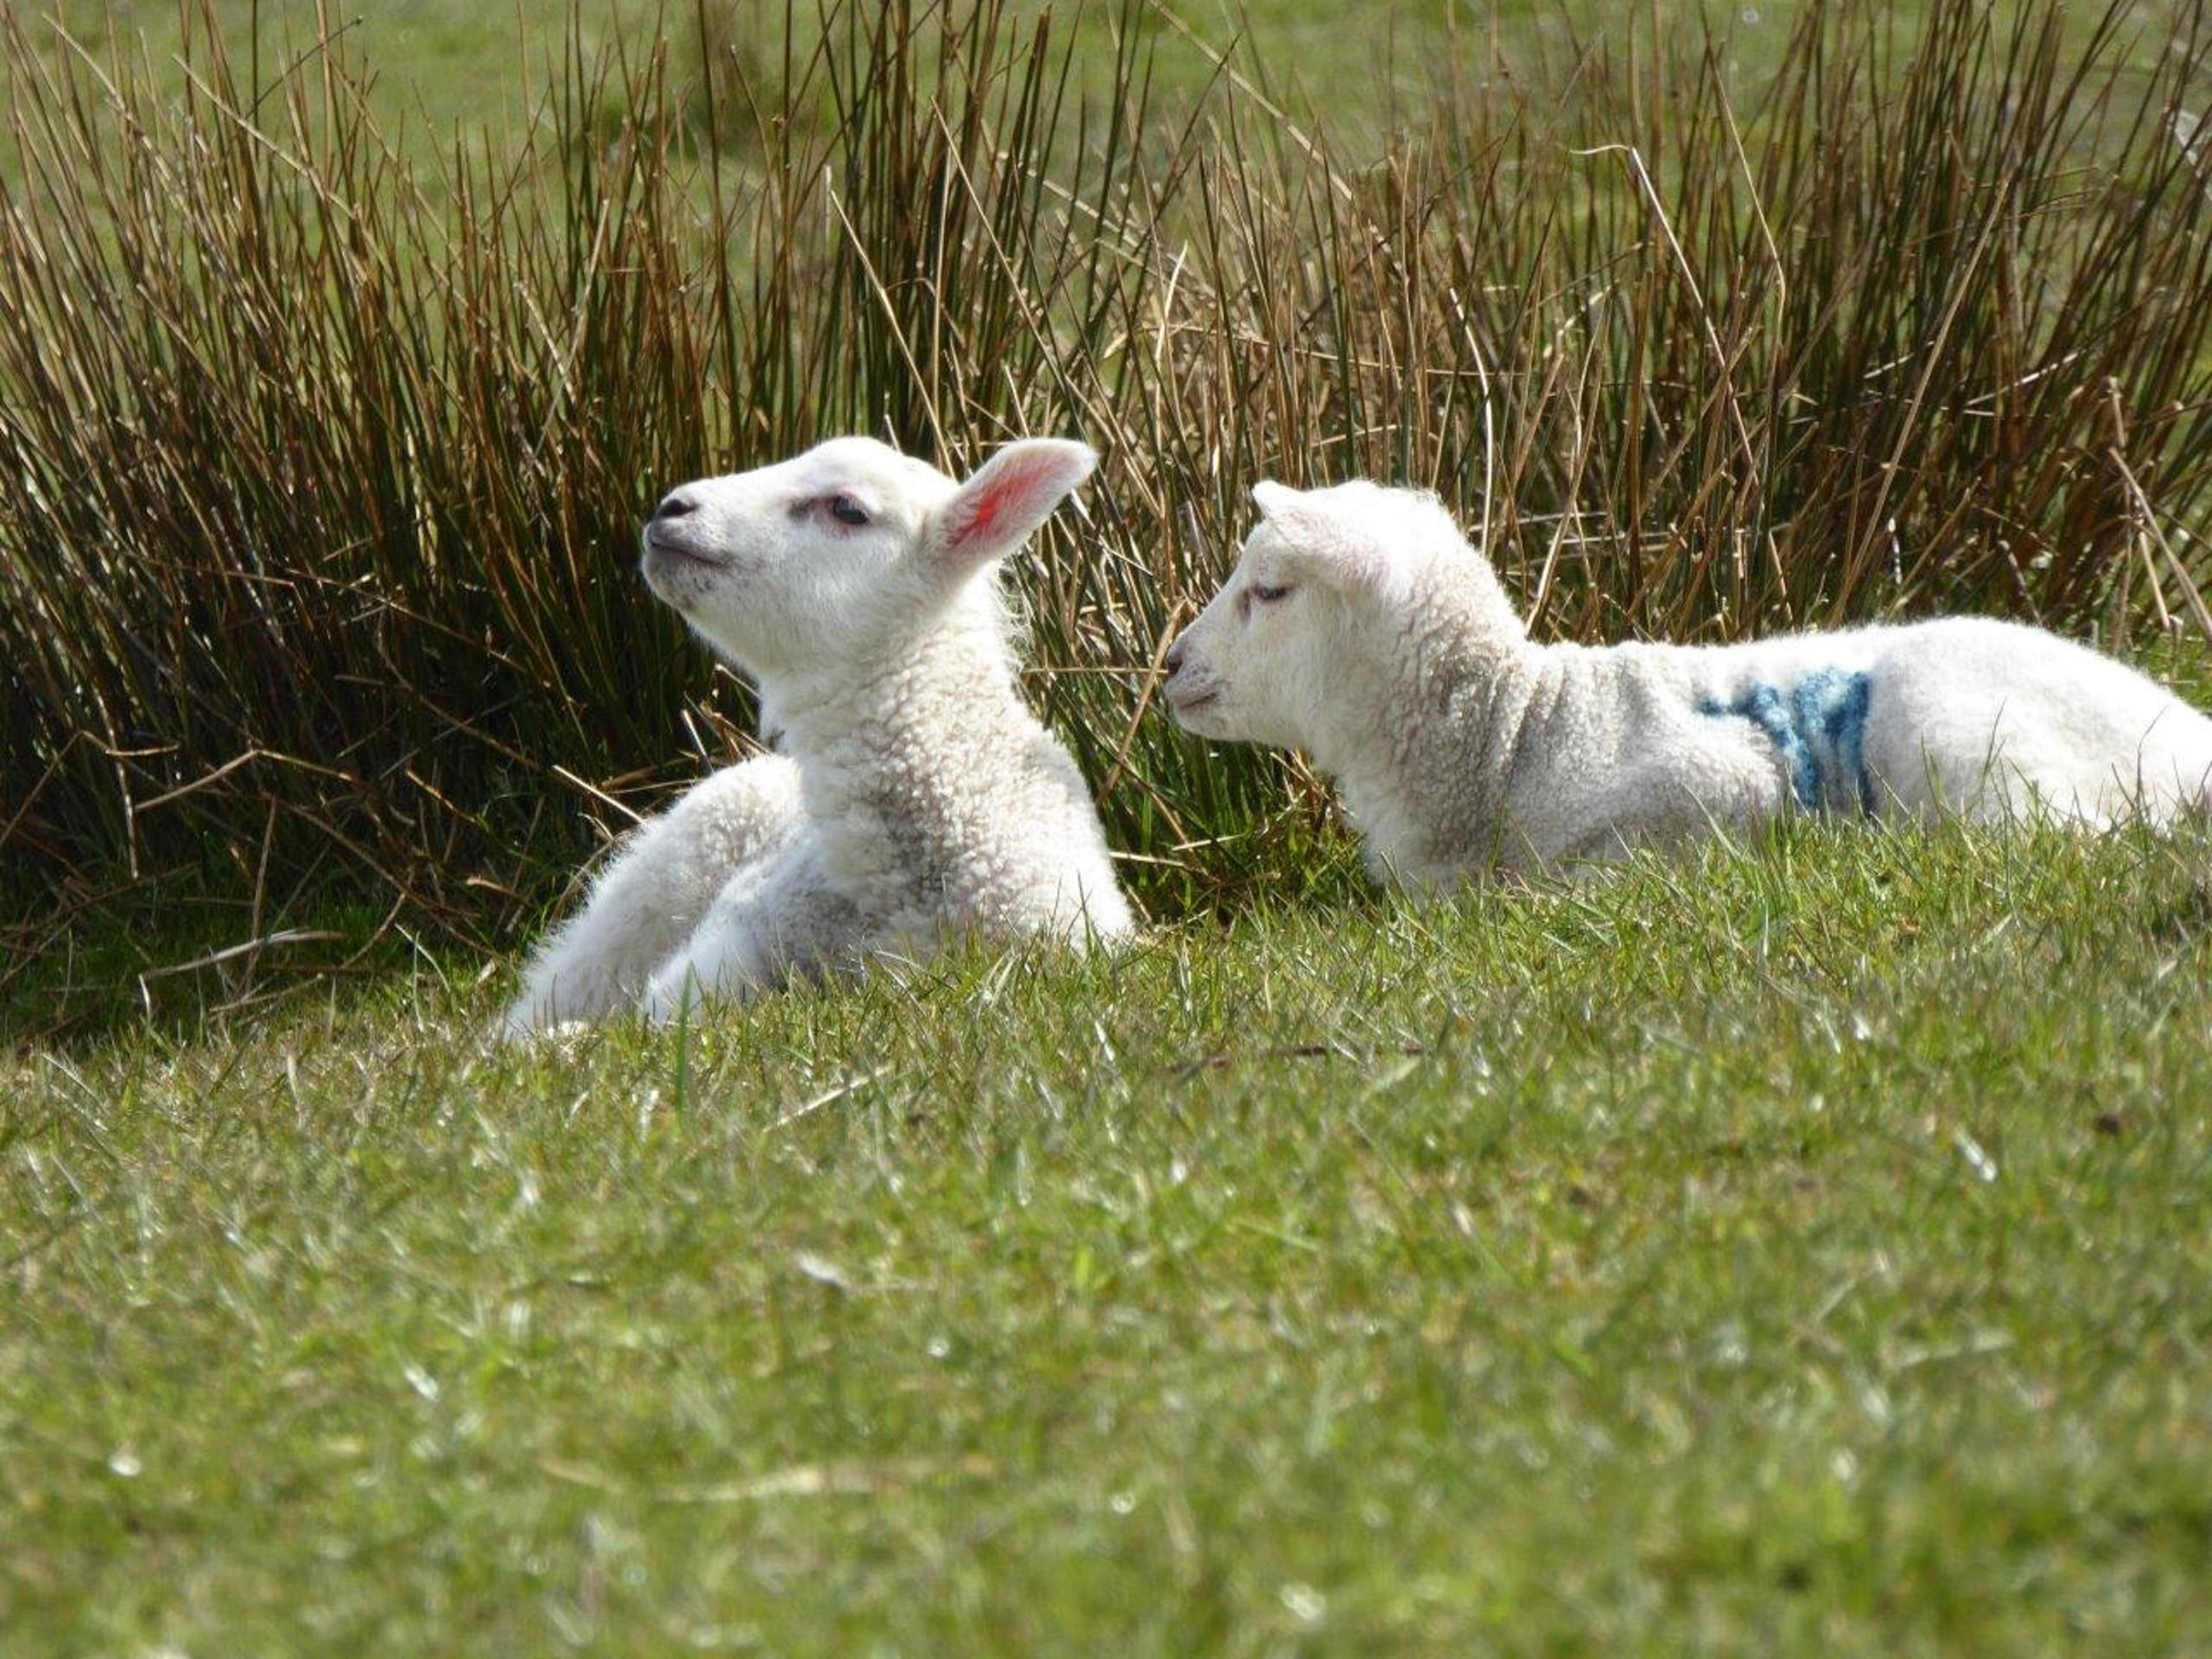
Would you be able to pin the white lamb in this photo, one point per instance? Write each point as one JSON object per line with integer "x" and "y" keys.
{"x": 915, "y": 795}
{"x": 1361, "y": 627}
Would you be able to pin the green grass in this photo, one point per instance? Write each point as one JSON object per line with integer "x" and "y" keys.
{"x": 449, "y": 67}
{"x": 1804, "y": 1251}
{"x": 443, "y": 68}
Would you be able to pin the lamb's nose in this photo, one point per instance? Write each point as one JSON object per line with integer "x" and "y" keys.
{"x": 677, "y": 506}
{"x": 1175, "y": 661}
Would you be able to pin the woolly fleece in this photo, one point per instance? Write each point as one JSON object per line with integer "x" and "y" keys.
{"x": 915, "y": 794}
{"x": 1361, "y": 627}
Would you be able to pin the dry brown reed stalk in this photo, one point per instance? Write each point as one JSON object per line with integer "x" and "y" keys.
{"x": 318, "y": 478}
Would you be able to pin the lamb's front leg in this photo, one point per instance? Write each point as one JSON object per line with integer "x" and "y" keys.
{"x": 772, "y": 921}
{"x": 653, "y": 896}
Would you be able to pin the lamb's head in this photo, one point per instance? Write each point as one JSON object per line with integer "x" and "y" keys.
{"x": 849, "y": 552}
{"x": 1336, "y": 588}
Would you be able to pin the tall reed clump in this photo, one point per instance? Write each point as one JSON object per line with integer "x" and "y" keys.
{"x": 319, "y": 474}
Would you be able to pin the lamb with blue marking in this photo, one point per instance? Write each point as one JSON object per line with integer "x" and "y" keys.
{"x": 1362, "y": 628}
{"x": 915, "y": 795}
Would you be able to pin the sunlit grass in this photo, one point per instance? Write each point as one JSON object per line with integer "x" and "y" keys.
{"x": 1802, "y": 1251}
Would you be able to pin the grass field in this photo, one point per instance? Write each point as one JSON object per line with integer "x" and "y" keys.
{"x": 1806, "y": 1251}
{"x": 448, "y": 67}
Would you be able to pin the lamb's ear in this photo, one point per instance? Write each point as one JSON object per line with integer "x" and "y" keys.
{"x": 1300, "y": 517}
{"x": 1010, "y": 494}
{"x": 1342, "y": 550}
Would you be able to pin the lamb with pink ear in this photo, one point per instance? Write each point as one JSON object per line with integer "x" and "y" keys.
{"x": 915, "y": 795}
{"x": 1361, "y": 627}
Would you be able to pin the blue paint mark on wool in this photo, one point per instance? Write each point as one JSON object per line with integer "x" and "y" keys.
{"x": 1818, "y": 726}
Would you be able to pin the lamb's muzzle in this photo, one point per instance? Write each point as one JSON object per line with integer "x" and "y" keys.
{"x": 672, "y": 540}
{"x": 1185, "y": 695}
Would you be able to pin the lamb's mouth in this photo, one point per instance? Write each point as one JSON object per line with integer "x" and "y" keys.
{"x": 658, "y": 546}
{"x": 1184, "y": 707}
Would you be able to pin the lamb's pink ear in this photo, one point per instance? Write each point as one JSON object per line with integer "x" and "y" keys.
{"x": 1010, "y": 494}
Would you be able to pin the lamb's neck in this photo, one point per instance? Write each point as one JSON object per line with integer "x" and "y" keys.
{"x": 943, "y": 720}
{"x": 1426, "y": 772}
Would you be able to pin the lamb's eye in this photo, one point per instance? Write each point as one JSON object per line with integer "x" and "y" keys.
{"x": 846, "y": 510}
{"x": 1268, "y": 595}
